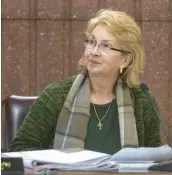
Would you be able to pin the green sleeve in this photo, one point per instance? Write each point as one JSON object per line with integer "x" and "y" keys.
{"x": 37, "y": 129}
{"x": 152, "y": 124}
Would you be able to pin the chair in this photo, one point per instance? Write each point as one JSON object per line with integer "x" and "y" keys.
{"x": 16, "y": 108}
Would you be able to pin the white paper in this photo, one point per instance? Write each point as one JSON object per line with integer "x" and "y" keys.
{"x": 134, "y": 168}
{"x": 156, "y": 154}
{"x": 87, "y": 155}
{"x": 55, "y": 156}
{"x": 42, "y": 155}
{"x": 135, "y": 165}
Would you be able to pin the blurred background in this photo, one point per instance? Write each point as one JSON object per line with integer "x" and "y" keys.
{"x": 42, "y": 41}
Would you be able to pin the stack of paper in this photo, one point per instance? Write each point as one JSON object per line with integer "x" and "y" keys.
{"x": 127, "y": 159}
{"x": 156, "y": 154}
{"x": 55, "y": 156}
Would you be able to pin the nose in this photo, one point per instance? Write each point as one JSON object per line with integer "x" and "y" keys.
{"x": 95, "y": 50}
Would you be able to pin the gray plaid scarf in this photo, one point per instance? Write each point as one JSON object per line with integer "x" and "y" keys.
{"x": 72, "y": 123}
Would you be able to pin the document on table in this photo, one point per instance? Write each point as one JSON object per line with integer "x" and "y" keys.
{"x": 156, "y": 154}
{"x": 125, "y": 159}
{"x": 135, "y": 166}
{"x": 55, "y": 156}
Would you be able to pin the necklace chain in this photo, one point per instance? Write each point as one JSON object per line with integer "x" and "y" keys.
{"x": 99, "y": 120}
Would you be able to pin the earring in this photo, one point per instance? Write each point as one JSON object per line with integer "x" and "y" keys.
{"x": 121, "y": 70}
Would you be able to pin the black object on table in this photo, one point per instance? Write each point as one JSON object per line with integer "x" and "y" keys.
{"x": 163, "y": 167}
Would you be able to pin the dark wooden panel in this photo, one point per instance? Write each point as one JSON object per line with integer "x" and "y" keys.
{"x": 54, "y": 9}
{"x": 50, "y": 52}
{"x": 16, "y": 9}
{"x": 127, "y": 6}
{"x": 154, "y": 9}
{"x": 83, "y": 9}
{"x": 156, "y": 74}
{"x": 77, "y": 43}
{"x": 15, "y": 57}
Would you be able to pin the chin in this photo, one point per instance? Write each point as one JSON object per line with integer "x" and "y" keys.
{"x": 94, "y": 70}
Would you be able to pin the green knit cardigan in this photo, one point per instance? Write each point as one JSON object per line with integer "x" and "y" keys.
{"x": 38, "y": 129}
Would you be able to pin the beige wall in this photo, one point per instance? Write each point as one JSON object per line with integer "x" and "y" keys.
{"x": 42, "y": 42}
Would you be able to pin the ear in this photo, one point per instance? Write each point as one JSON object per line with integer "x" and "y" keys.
{"x": 126, "y": 60}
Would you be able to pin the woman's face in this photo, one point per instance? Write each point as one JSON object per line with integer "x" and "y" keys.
{"x": 100, "y": 53}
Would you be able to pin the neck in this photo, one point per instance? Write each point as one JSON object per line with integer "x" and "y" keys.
{"x": 102, "y": 86}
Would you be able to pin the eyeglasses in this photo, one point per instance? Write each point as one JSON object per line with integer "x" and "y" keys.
{"x": 103, "y": 46}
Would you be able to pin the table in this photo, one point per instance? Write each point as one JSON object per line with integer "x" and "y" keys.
{"x": 90, "y": 173}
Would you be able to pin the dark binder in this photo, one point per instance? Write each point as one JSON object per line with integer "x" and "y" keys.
{"x": 162, "y": 167}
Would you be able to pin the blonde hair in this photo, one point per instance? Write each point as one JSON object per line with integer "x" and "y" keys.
{"x": 127, "y": 35}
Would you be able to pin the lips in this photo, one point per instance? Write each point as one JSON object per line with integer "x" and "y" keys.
{"x": 93, "y": 62}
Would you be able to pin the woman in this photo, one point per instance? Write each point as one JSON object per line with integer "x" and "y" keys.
{"x": 103, "y": 108}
